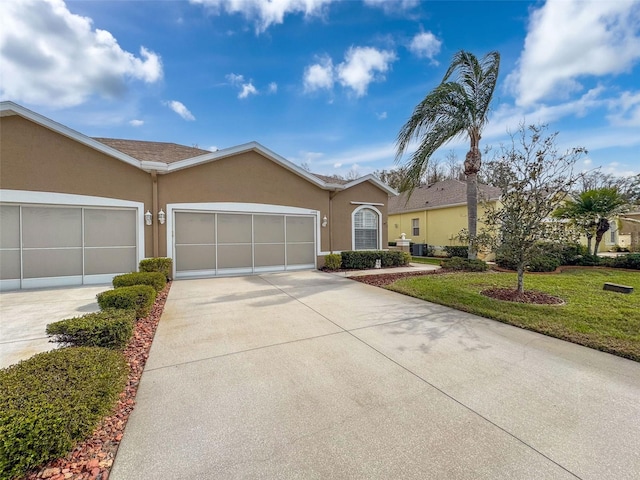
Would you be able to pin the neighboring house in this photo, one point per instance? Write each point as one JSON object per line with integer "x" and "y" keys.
{"x": 627, "y": 231}
{"x": 79, "y": 210}
{"x": 435, "y": 214}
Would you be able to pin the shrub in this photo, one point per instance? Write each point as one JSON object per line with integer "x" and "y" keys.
{"x": 631, "y": 261}
{"x": 544, "y": 256}
{"x": 366, "y": 259}
{"x": 155, "y": 279}
{"x": 456, "y": 251}
{"x": 138, "y": 297}
{"x": 464, "y": 264}
{"x": 333, "y": 261}
{"x": 588, "y": 261}
{"x": 109, "y": 329}
{"x": 544, "y": 263}
{"x": 157, "y": 264}
{"x": 53, "y": 400}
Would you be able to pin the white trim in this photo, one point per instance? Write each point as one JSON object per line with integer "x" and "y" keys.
{"x": 368, "y": 203}
{"x": 373, "y": 179}
{"x": 353, "y": 225}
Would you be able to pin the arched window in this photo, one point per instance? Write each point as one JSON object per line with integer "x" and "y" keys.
{"x": 366, "y": 228}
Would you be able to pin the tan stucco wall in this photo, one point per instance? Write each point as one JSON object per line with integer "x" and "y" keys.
{"x": 245, "y": 178}
{"x": 35, "y": 158}
{"x": 343, "y": 210}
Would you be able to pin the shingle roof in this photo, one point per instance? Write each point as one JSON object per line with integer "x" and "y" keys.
{"x": 328, "y": 179}
{"x": 153, "y": 151}
{"x": 437, "y": 195}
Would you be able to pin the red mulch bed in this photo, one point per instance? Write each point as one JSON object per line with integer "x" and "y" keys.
{"x": 529, "y": 296}
{"x": 506, "y": 294}
{"x": 92, "y": 459}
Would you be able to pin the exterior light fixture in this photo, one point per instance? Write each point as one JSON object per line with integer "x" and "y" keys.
{"x": 324, "y": 221}
{"x": 148, "y": 217}
{"x": 161, "y": 217}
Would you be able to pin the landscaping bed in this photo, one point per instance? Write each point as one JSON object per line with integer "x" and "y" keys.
{"x": 92, "y": 459}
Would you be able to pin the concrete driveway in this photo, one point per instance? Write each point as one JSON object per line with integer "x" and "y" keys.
{"x": 312, "y": 376}
{"x": 24, "y": 316}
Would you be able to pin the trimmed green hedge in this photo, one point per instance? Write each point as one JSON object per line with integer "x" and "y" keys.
{"x": 333, "y": 261}
{"x": 53, "y": 400}
{"x": 138, "y": 297}
{"x": 155, "y": 279}
{"x": 109, "y": 329}
{"x": 631, "y": 261}
{"x": 464, "y": 264}
{"x": 157, "y": 264}
{"x": 366, "y": 259}
{"x": 456, "y": 251}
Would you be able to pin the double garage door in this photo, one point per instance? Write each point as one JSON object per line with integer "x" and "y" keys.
{"x": 43, "y": 246}
{"x": 221, "y": 243}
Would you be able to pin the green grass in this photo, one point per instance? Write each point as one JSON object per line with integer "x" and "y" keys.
{"x": 592, "y": 317}
{"x": 427, "y": 260}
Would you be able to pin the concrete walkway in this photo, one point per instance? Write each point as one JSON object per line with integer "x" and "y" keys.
{"x": 24, "y": 316}
{"x": 312, "y": 376}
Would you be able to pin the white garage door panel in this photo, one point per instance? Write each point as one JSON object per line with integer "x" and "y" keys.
{"x": 220, "y": 243}
{"x": 43, "y": 246}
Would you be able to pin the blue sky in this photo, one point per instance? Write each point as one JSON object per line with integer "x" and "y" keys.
{"x": 323, "y": 82}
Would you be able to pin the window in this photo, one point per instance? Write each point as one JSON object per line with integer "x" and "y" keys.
{"x": 366, "y": 229}
{"x": 415, "y": 227}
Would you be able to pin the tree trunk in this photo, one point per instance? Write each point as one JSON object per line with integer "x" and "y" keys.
{"x": 472, "y": 163}
{"x": 603, "y": 227}
{"x": 521, "y": 278}
{"x": 472, "y": 213}
{"x": 589, "y": 237}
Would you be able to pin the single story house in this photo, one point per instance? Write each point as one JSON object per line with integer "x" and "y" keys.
{"x": 78, "y": 210}
{"x": 435, "y": 214}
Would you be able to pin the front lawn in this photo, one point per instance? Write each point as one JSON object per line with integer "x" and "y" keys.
{"x": 427, "y": 260}
{"x": 592, "y": 317}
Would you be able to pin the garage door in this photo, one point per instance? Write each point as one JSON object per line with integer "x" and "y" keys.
{"x": 217, "y": 243}
{"x": 44, "y": 246}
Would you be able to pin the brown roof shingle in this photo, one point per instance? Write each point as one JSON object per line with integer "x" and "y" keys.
{"x": 440, "y": 194}
{"x": 153, "y": 151}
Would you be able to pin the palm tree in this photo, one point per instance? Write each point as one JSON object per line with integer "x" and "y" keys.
{"x": 457, "y": 107}
{"x": 590, "y": 212}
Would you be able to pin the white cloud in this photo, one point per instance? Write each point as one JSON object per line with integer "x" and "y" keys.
{"x": 247, "y": 89}
{"x": 381, "y": 116}
{"x": 587, "y": 161}
{"x": 273, "y": 88}
{"x": 319, "y": 75}
{"x": 55, "y": 58}
{"x": 265, "y": 13}
{"x": 234, "y": 79}
{"x": 390, "y": 6}
{"x": 425, "y": 45}
{"x": 136, "y": 123}
{"x": 213, "y": 148}
{"x": 568, "y": 39}
{"x": 625, "y": 110}
{"x": 337, "y": 165}
{"x": 362, "y": 66}
{"x": 180, "y": 109}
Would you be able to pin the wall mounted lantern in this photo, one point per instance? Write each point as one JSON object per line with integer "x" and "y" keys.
{"x": 148, "y": 217}
{"x": 161, "y": 217}
{"x": 324, "y": 221}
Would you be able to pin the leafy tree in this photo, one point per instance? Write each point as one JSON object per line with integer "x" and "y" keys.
{"x": 458, "y": 107}
{"x": 628, "y": 187}
{"x": 589, "y": 212}
{"x": 533, "y": 178}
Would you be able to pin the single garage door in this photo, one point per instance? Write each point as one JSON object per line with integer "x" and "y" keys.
{"x": 43, "y": 246}
{"x": 217, "y": 243}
